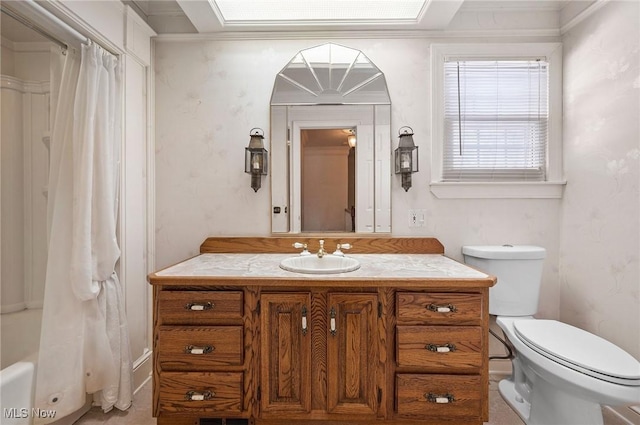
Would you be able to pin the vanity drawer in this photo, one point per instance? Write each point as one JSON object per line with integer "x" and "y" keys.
{"x": 199, "y": 348}
{"x": 440, "y": 348}
{"x": 439, "y": 308}
{"x": 444, "y": 396}
{"x": 207, "y": 393}
{"x": 199, "y": 307}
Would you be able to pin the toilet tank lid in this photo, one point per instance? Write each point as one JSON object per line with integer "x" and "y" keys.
{"x": 505, "y": 252}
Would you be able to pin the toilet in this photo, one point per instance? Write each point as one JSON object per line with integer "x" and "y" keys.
{"x": 561, "y": 375}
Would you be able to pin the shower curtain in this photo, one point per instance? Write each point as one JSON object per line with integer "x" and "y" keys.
{"x": 84, "y": 344}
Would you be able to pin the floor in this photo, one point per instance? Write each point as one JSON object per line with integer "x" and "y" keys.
{"x": 140, "y": 412}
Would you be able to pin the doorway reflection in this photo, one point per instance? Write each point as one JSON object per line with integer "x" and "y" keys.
{"x": 328, "y": 179}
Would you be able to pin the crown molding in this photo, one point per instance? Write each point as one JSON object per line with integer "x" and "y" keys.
{"x": 582, "y": 15}
{"x": 358, "y": 34}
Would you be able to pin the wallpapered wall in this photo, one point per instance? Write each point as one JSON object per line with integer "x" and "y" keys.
{"x": 209, "y": 94}
{"x": 600, "y": 243}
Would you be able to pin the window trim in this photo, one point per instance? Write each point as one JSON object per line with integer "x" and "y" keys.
{"x": 553, "y": 186}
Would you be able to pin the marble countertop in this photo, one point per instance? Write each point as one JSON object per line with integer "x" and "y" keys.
{"x": 373, "y": 266}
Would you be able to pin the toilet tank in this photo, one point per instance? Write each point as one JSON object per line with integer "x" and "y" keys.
{"x": 519, "y": 272}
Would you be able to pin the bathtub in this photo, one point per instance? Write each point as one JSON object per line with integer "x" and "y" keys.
{"x": 20, "y": 340}
{"x": 17, "y": 391}
{"x": 20, "y": 333}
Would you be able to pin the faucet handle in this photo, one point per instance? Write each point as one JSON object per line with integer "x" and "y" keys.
{"x": 299, "y": 245}
{"x": 340, "y": 247}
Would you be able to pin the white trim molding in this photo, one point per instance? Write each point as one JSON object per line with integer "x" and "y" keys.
{"x": 575, "y": 20}
{"x": 502, "y": 190}
{"x": 554, "y": 184}
{"x": 548, "y": 33}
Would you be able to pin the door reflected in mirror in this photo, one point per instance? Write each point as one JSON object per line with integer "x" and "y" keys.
{"x": 328, "y": 179}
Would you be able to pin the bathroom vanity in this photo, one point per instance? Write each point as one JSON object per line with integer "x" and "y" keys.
{"x": 401, "y": 340}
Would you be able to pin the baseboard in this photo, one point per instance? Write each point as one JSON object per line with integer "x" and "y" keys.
{"x": 499, "y": 369}
{"x": 142, "y": 371}
{"x": 497, "y": 375}
{"x": 628, "y": 414}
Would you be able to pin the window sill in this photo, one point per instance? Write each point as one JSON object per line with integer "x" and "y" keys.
{"x": 502, "y": 190}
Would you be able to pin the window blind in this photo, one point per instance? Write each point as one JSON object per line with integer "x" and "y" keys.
{"x": 496, "y": 114}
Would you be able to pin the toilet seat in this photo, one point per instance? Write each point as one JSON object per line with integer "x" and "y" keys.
{"x": 579, "y": 350}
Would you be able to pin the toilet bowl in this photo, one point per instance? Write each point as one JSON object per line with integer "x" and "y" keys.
{"x": 566, "y": 380}
{"x": 561, "y": 374}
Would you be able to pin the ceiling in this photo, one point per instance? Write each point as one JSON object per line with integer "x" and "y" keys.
{"x": 214, "y": 16}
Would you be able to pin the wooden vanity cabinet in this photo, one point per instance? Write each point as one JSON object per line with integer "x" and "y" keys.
{"x": 341, "y": 330}
{"x": 307, "y": 351}
{"x": 285, "y": 347}
{"x": 352, "y": 354}
{"x": 199, "y": 354}
{"x": 441, "y": 355}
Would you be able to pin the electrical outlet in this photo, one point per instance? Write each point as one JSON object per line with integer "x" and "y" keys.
{"x": 417, "y": 218}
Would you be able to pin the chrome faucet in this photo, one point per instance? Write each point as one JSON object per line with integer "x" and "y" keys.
{"x": 321, "y": 251}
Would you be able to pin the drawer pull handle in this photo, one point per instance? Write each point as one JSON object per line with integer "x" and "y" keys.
{"x": 199, "y": 306}
{"x": 304, "y": 320}
{"x": 197, "y": 396}
{"x": 448, "y": 308}
{"x": 333, "y": 321}
{"x": 446, "y": 348}
{"x": 192, "y": 349}
{"x": 439, "y": 398}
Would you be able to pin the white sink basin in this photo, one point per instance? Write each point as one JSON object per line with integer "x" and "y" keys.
{"x": 314, "y": 264}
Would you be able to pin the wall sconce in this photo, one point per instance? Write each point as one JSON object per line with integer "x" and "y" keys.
{"x": 256, "y": 160}
{"x": 406, "y": 156}
{"x": 351, "y": 139}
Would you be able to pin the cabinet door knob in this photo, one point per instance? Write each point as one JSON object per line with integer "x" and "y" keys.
{"x": 445, "y": 348}
{"x": 439, "y": 398}
{"x": 192, "y": 349}
{"x": 447, "y": 308}
{"x": 199, "y": 396}
{"x": 199, "y": 306}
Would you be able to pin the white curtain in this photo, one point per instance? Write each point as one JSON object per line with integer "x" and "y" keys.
{"x": 84, "y": 345}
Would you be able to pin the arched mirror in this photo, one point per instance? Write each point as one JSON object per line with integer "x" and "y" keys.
{"x": 330, "y": 144}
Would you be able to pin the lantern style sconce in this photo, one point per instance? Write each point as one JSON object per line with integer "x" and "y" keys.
{"x": 406, "y": 156}
{"x": 256, "y": 160}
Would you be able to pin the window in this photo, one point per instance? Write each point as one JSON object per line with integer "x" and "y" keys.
{"x": 496, "y": 124}
{"x": 495, "y": 120}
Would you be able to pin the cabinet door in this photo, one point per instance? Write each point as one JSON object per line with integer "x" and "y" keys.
{"x": 286, "y": 354}
{"x": 352, "y": 354}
